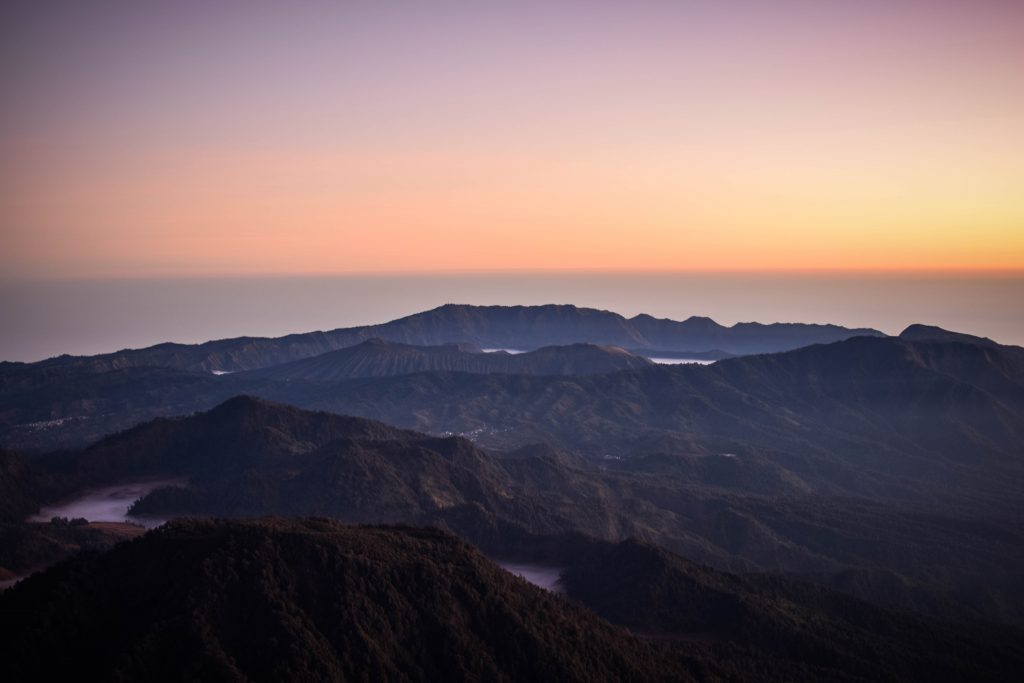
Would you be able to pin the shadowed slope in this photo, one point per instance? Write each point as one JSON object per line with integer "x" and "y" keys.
{"x": 654, "y": 591}
{"x": 306, "y": 601}
{"x": 276, "y": 599}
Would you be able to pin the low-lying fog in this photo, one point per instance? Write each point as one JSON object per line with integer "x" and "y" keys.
{"x": 539, "y": 575}
{"x": 108, "y": 504}
{"x": 681, "y": 361}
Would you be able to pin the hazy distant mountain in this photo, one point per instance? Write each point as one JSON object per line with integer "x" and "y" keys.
{"x": 501, "y": 327}
{"x": 529, "y": 327}
{"x": 379, "y": 358}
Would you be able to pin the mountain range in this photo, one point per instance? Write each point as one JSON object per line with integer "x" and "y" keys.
{"x": 249, "y": 457}
{"x": 883, "y": 418}
{"x": 841, "y": 506}
{"x": 521, "y": 328}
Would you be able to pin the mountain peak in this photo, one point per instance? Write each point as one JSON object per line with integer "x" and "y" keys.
{"x": 702, "y": 322}
{"x": 245, "y": 403}
{"x": 921, "y": 332}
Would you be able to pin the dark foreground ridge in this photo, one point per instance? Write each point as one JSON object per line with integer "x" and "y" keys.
{"x": 312, "y": 599}
{"x": 308, "y": 600}
{"x": 789, "y": 623}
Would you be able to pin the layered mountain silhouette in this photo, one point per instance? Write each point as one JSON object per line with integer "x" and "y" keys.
{"x": 883, "y": 418}
{"x": 849, "y": 504}
{"x": 251, "y": 457}
{"x": 886, "y": 467}
{"x": 500, "y": 327}
{"x": 887, "y": 418}
{"x": 379, "y": 358}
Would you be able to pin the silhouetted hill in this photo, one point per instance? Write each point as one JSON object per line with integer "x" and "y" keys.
{"x": 308, "y": 600}
{"x": 248, "y": 456}
{"x": 501, "y": 327}
{"x": 379, "y": 358}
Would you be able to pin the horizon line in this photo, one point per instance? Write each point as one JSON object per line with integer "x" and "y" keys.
{"x": 954, "y": 271}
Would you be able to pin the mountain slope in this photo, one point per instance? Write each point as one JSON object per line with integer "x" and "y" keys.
{"x": 307, "y": 600}
{"x": 872, "y": 417}
{"x": 311, "y": 599}
{"x": 379, "y": 358}
{"x": 249, "y": 457}
{"x": 651, "y": 590}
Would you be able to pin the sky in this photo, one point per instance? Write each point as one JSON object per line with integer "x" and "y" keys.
{"x": 187, "y": 138}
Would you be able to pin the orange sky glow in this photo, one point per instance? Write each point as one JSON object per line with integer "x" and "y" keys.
{"x": 354, "y": 137}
